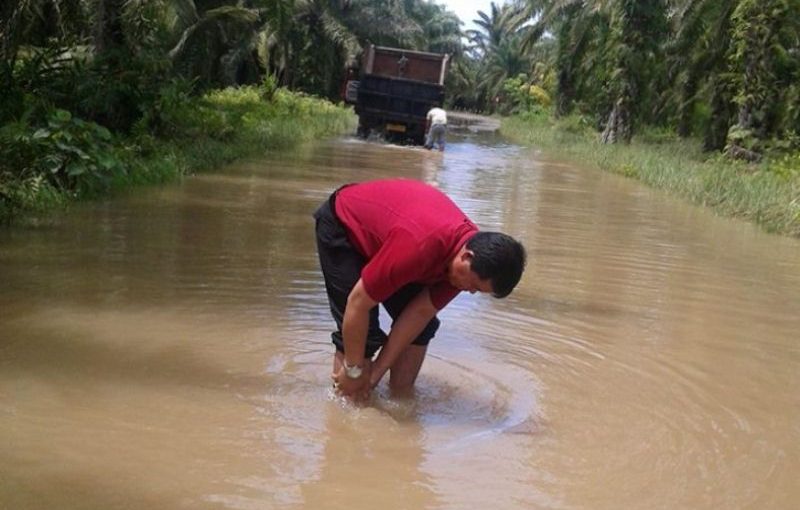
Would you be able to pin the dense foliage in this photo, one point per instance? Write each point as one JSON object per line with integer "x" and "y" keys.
{"x": 724, "y": 70}
{"x": 86, "y": 83}
{"x": 102, "y": 92}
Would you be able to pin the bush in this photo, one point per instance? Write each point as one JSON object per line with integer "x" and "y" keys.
{"x": 269, "y": 85}
{"x": 522, "y": 96}
{"x": 55, "y": 156}
{"x": 575, "y": 124}
{"x": 30, "y": 194}
{"x": 786, "y": 167}
{"x": 70, "y": 154}
{"x": 164, "y": 115}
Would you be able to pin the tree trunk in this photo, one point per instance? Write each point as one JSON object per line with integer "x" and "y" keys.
{"x": 288, "y": 75}
{"x": 10, "y": 17}
{"x": 565, "y": 92}
{"x": 108, "y": 33}
{"x": 108, "y": 28}
{"x": 618, "y": 127}
{"x": 637, "y": 27}
{"x": 757, "y": 24}
{"x": 688, "y": 92}
{"x": 751, "y": 103}
{"x": 717, "y": 130}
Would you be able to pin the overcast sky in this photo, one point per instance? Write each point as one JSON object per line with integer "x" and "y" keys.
{"x": 467, "y": 10}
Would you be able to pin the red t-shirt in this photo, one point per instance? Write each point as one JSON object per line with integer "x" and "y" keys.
{"x": 408, "y": 231}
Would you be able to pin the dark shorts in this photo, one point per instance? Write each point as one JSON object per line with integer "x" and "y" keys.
{"x": 341, "y": 266}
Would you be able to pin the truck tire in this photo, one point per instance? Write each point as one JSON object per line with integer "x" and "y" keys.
{"x": 366, "y": 125}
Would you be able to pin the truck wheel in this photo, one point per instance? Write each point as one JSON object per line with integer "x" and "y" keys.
{"x": 365, "y": 126}
{"x": 418, "y": 137}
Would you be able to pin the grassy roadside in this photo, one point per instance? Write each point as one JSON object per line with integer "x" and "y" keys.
{"x": 46, "y": 167}
{"x": 767, "y": 194}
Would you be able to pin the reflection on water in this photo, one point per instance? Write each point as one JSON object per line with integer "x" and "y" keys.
{"x": 169, "y": 349}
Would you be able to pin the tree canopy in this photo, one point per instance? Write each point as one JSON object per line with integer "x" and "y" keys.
{"x": 723, "y": 70}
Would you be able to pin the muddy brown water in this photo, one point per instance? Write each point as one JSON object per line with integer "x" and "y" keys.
{"x": 169, "y": 349}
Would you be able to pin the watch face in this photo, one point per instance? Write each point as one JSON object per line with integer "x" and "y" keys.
{"x": 353, "y": 372}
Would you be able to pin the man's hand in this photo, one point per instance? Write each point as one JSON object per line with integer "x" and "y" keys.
{"x": 356, "y": 389}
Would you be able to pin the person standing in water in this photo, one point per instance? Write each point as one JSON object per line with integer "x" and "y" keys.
{"x": 406, "y": 245}
{"x": 435, "y": 128}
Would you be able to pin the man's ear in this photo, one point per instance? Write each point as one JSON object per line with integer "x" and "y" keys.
{"x": 467, "y": 255}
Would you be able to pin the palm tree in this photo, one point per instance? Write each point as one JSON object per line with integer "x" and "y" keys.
{"x": 697, "y": 51}
{"x": 328, "y": 45}
{"x": 581, "y": 32}
{"x": 462, "y": 84}
{"x": 575, "y": 26}
{"x": 498, "y": 42}
{"x": 638, "y": 29}
{"x": 385, "y": 22}
{"x": 40, "y": 22}
{"x": 698, "y": 67}
{"x": 506, "y": 60}
{"x": 493, "y": 28}
{"x": 441, "y": 29}
{"x": 763, "y": 31}
{"x": 218, "y": 47}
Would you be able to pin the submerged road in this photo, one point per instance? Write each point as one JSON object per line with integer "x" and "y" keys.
{"x": 170, "y": 349}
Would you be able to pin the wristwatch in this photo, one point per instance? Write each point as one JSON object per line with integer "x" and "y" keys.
{"x": 353, "y": 372}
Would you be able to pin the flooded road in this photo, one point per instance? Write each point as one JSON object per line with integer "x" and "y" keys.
{"x": 170, "y": 349}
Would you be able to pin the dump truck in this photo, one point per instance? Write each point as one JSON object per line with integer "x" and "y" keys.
{"x": 394, "y": 91}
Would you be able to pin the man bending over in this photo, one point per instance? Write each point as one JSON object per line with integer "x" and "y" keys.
{"x": 435, "y": 128}
{"x": 406, "y": 245}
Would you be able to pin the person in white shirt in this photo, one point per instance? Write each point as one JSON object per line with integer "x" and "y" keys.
{"x": 435, "y": 128}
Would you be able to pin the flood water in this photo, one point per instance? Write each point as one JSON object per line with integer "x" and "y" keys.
{"x": 170, "y": 349}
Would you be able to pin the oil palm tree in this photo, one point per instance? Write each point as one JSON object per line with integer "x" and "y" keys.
{"x": 41, "y": 22}
{"x": 326, "y": 47}
{"x": 441, "y": 29}
{"x": 575, "y": 26}
{"x": 463, "y": 84}
{"x": 765, "y": 33}
{"x": 698, "y": 69}
{"x": 217, "y": 48}
{"x": 499, "y": 44}
{"x": 638, "y": 32}
{"x": 384, "y": 22}
{"x": 494, "y": 26}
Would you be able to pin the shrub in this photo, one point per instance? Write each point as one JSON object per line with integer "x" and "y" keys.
{"x": 70, "y": 154}
{"x": 786, "y": 167}
{"x": 522, "y": 96}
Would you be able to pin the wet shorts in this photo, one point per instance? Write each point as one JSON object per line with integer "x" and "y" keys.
{"x": 341, "y": 266}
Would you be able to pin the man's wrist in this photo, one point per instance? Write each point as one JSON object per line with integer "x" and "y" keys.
{"x": 353, "y": 371}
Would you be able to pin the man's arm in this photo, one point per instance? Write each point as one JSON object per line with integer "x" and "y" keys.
{"x": 354, "y": 332}
{"x": 412, "y": 320}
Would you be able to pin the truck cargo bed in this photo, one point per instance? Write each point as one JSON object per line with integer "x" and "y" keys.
{"x": 396, "y": 90}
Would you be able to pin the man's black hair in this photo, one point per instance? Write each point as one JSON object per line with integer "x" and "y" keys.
{"x": 498, "y": 258}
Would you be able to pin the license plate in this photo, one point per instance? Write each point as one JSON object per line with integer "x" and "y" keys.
{"x": 400, "y": 128}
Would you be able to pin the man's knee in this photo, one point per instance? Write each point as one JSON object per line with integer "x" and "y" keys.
{"x": 427, "y": 334}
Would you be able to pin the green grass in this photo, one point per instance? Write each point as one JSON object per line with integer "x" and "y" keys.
{"x": 226, "y": 125}
{"x": 191, "y": 135}
{"x": 767, "y": 194}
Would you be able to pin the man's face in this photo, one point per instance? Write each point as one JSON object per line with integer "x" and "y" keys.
{"x": 462, "y": 277}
